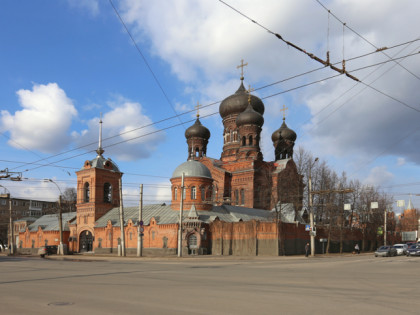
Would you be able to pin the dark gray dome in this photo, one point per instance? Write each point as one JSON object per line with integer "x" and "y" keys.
{"x": 249, "y": 117}
{"x": 238, "y": 102}
{"x": 197, "y": 130}
{"x": 192, "y": 168}
{"x": 284, "y": 132}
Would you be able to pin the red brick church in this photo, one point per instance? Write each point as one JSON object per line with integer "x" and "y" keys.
{"x": 231, "y": 205}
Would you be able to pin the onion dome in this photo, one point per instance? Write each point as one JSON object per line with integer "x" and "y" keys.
{"x": 284, "y": 132}
{"x": 197, "y": 130}
{"x": 192, "y": 168}
{"x": 249, "y": 117}
{"x": 237, "y": 103}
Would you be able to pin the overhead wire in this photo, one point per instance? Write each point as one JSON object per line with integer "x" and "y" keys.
{"x": 176, "y": 125}
{"x": 145, "y": 61}
{"x": 208, "y": 105}
{"x": 366, "y": 40}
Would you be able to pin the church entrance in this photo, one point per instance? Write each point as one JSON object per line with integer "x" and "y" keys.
{"x": 86, "y": 241}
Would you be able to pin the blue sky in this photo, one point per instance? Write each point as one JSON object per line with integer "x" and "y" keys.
{"x": 62, "y": 63}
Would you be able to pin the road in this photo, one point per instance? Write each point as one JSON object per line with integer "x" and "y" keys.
{"x": 348, "y": 284}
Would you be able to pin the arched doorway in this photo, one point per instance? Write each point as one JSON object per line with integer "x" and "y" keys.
{"x": 86, "y": 241}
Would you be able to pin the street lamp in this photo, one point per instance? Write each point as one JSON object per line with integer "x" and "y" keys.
{"x": 11, "y": 245}
{"x": 60, "y": 218}
{"x": 311, "y": 210}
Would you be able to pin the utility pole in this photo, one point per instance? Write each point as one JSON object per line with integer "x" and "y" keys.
{"x": 311, "y": 210}
{"x": 180, "y": 217}
{"x": 60, "y": 217}
{"x": 140, "y": 225}
{"x": 11, "y": 243}
{"x": 385, "y": 215}
{"x": 122, "y": 246}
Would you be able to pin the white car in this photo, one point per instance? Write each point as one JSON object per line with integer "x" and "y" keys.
{"x": 401, "y": 249}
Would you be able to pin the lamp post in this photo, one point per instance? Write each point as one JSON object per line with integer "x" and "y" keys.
{"x": 11, "y": 245}
{"x": 60, "y": 218}
{"x": 311, "y": 210}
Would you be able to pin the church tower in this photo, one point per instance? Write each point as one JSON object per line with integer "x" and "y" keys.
{"x": 197, "y": 139}
{"x": 283, "y": 140}
{"x": 249, "y": 124}
{"x": 229, "y": 110}
{"x": 98, "y": 184}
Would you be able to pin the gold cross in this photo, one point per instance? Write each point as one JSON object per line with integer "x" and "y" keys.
{"x": 242, "y": 65}
{"x": 198, "y": 108}
{"x": 249, "y": 93}
{"x": 284, "y": 111}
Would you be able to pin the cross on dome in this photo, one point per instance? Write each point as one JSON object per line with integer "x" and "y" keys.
{"x": 284, "y": 111}
{"x": 198, "y": 108}
{"x": 242, "y": 65}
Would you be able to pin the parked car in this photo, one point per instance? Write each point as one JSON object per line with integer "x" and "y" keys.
{"x": 413, "y": 250}
{"x": 47, "y": 250}
{"x": 401, "y": 249}
{"x": 386, "y": 251}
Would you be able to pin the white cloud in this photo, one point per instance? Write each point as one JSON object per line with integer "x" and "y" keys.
{"x": 379, "y": 176}
{"x": 204, "y": 41}
{"x": 126, "y": 125}
{"x": 91, "y": 6}
{"x": 43, "y": 122}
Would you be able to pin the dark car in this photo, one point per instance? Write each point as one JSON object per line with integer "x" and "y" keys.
{"x": 386, "y": 251}
{"x": 414, "y": 250}
{"x": 47, "y": 250}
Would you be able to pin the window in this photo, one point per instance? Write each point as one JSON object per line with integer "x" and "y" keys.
{"x": 236, "y": 197}
{"x": 193, "y": 193}
{"x": 243, "y": 140}
{"x": 183, "y": 193}
{"x": 203, "y": 193}
{"x": 250, "y": 140}
{"x": 175, "y": 193}
{"x": 192, "y": 241}
{"x": 153, "y": 235}
{"x": 107, "y": 193}
{"x": 86, "y": 192}
{"x": 242, "y": 196}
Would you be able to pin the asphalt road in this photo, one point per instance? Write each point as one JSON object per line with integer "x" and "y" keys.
{"x": 352, "y": 284}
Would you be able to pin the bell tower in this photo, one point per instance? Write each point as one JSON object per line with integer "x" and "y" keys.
{"x": 98, "y": 185}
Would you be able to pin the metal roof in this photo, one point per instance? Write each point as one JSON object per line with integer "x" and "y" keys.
{"x": 164, "y": 214}
{"x": 192, "y": 168}
{"x": 49, "y": 222}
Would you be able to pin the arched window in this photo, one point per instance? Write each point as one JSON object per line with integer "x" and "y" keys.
{"x": 184, "y": 193}
{"x": 203, "y": 193}
{"x": 86, "y": 192}
{"x": 236, "y": 197}
{"x": 193, "y": 193}
{"x": 242, "y": 196}
{"x": 243, "y": 140}
{"x": 175, "y": 193}
{"x": 107, "y": 193}
{"x": 250, "y": 140}
{"x": 192, "y": 241}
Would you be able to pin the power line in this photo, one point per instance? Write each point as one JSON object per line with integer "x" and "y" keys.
{"x": 366, "y": 40}
{"x": 208, "y": 105}
{"x": 145, "y": 61}
{"x": 312, "y": 56}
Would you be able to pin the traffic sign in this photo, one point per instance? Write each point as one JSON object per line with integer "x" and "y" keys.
{"x": 141, "y": 223}
{"x": 141, "y": 229}
{"x": 307, "y": 227}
